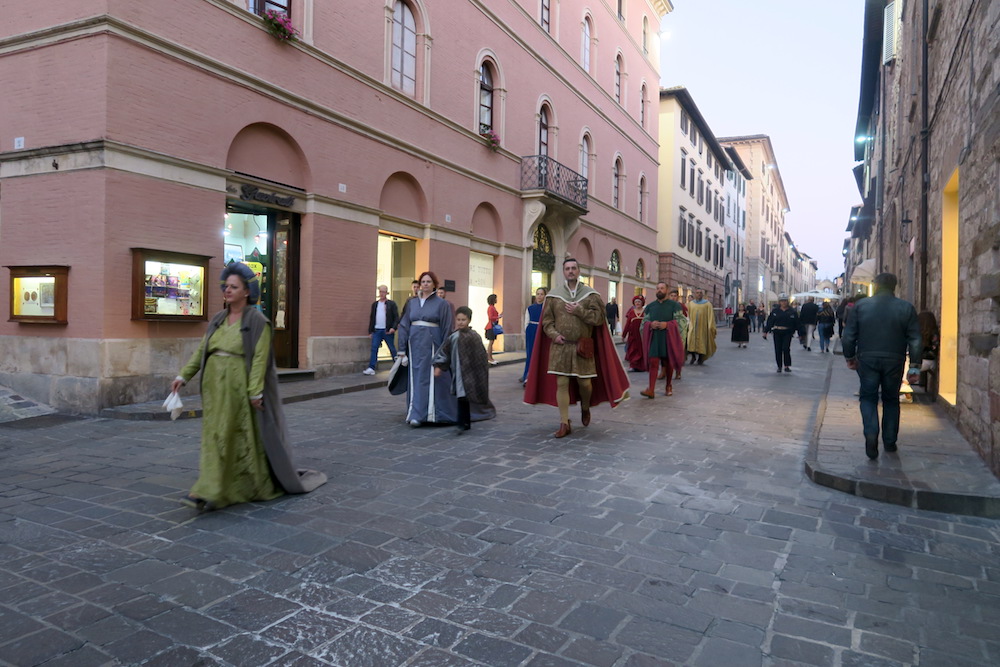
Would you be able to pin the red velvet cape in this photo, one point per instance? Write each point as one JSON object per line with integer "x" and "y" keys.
{"x": 611, "y": 383}
{"x": 675, "y": 346}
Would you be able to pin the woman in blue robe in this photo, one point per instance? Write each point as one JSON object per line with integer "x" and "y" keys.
{"x": 532, "y": 316}
{"x": 427, "y": 321}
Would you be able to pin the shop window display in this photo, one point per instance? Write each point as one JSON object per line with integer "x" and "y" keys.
{"x": 168, "y": 285}
{"x": 38, "y": 294}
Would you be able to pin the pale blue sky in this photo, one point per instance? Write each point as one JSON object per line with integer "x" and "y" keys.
{"x": 788, "y": 69}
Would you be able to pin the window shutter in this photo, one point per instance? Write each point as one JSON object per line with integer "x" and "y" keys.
{"x": 890, "y": 32}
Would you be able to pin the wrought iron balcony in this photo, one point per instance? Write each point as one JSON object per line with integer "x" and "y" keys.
{"x": 540, "y": 172}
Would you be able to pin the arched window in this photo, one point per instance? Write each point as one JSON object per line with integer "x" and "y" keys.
{"x": 615, "y": 263}
{"x": 588, "y": 36}
{"x": 642, "y": 107}
{"x": 404, "y": 49}
{"x": 542, "y": 258}
{"x": 640, "y": 269}
{"x": 485, "y": 97}
{"x": 585, "y": 151}
{"x": 616, "y": 185}
{"x": 645, "y": 34}
{"x": 642, "y": 193}
{"x": 618, "y": 79}
{"x": 543, "y": 130}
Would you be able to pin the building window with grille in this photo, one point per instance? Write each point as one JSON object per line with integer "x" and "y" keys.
{"x": 701, "y": 189}
{"x": 260, "y": 7}
{"x": 684, "y": 121}
{"x": 682, "y": 230}
{"x": 684, "y": 163}
{"x": 615, "y": 263}
{"x": 585, "y": 152}
{"x": 691, "y": 174}
{"x": 698, "y": 243}
{"x": 691, "y": 234}
{"x": 618, "y": 79}
{"x": 543, "y": 131}
{"x": 404, "y": 49}
{"x": 546, "y": 17}
{"x": 616, "y": 184}
{"x": 485, "y": 97}
{"x": 642, "y": 193}
{"x": 642, "y": 107}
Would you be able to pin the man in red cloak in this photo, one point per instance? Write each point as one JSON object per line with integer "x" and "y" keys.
{"x": 574, "y": 358}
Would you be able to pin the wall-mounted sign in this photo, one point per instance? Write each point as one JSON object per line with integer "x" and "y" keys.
{"x": 253, "y": 193}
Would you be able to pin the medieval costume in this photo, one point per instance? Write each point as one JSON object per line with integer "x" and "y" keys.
{"x": 532, "y": 316}
{"x": 741, "y": 328}
{"x": 598, "y": 372}
{"x": 245, "y": 453}
{"x": 701, "y": 330}
{"x": 462, "y": 354}
{"x": 425, "y": 324}
{"x": 662, "y": 345}
{"x": 632, "y": 335}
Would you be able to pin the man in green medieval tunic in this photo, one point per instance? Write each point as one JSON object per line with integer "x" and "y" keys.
{"x": 662, "y": 339}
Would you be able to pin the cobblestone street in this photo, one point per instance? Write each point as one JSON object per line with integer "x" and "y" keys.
{"x": 678, "y": 530}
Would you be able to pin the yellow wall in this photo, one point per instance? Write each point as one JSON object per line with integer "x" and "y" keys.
{"x": 948, "y": 387}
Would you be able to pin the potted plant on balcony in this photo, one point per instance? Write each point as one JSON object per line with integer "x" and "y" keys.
{"x": 492, "y": 138}
{"x": 279, "y": 24}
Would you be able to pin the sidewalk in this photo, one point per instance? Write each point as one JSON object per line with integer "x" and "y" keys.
{"x": 934, "y": 469}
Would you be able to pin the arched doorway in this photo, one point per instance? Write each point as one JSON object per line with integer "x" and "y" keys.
{"x": 543, "y": 260}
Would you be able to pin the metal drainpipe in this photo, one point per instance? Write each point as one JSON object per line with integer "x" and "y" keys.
{"x": 924, "y": 162}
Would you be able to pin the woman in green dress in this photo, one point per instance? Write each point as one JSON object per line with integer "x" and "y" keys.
{"x": 245, "y": 454}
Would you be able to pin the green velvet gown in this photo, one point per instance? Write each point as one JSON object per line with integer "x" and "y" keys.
{"x": 234, "y": 467}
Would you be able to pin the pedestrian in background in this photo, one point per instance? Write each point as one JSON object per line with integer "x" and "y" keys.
{"x": 493, "y": 328}
{"x": 741, "y": 327}
{"x": 632, "y": 335}
{"x": 761, "y": 315}
{"x": 877, "y": 337}
{"x": 463, "y": 356}
{"x": 612, "y": 312}
{"x": 807, "y": 318}
{"x": 825, "y": 320}
{"x": 729, "y": 315}
{"x": 382, "y": 323}
{"x": 752, "y": 315}
{"x": 532, "y": 316}
{"x": 784, "y": 323}
{"x": 245, "y": 450}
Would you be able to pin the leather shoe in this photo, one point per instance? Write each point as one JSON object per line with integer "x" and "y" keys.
{"x": 669, "y": 391}
{"x": 647, "y": 393}
{"x": 871, "y": 448}
{"x": 585, "y": 417}
{"x": 564, "y": 430}
{"x": 890, "y": 447}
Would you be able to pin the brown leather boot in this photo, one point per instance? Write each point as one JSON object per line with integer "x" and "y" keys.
{"x": 585, "y": 417}
{"x": 564, "y": 430}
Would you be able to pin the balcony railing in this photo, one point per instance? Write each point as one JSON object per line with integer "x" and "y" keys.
{"x": 540, "y": 172}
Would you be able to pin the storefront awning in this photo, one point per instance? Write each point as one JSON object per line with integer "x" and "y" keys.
{"x": 771, "y": 296}
{"x": 864, "y": 272}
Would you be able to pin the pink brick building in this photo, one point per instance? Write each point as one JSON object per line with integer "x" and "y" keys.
{"x": 348, "y": 158}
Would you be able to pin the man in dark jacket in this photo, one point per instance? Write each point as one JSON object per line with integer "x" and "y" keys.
{"x": 807, "y": 317}
{"x": 784, "y": 323}
{"x": 382, "y": 326}
{"x": 879, "y": 332}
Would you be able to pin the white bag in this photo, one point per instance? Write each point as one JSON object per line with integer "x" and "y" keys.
{"x": 173, "y": 405}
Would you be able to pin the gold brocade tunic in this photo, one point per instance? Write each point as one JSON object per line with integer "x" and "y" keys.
{"x": 563, "y": 359}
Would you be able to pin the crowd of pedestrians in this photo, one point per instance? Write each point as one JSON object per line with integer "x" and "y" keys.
{"x": 442, "y": 364}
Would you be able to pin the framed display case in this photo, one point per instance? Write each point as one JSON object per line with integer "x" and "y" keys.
{"x": 168, "y": 286}
{"x": 38, "y": 294}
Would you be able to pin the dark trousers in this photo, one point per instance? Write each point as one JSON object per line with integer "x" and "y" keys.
{"x": 464, "y": 413}
{"x": 753, "y": 322}
{"x": 783, "y": 346}
{"x": 883, "y": 376}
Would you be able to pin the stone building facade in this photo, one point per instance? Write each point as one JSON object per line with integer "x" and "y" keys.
{"x": 929, "y": 136}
